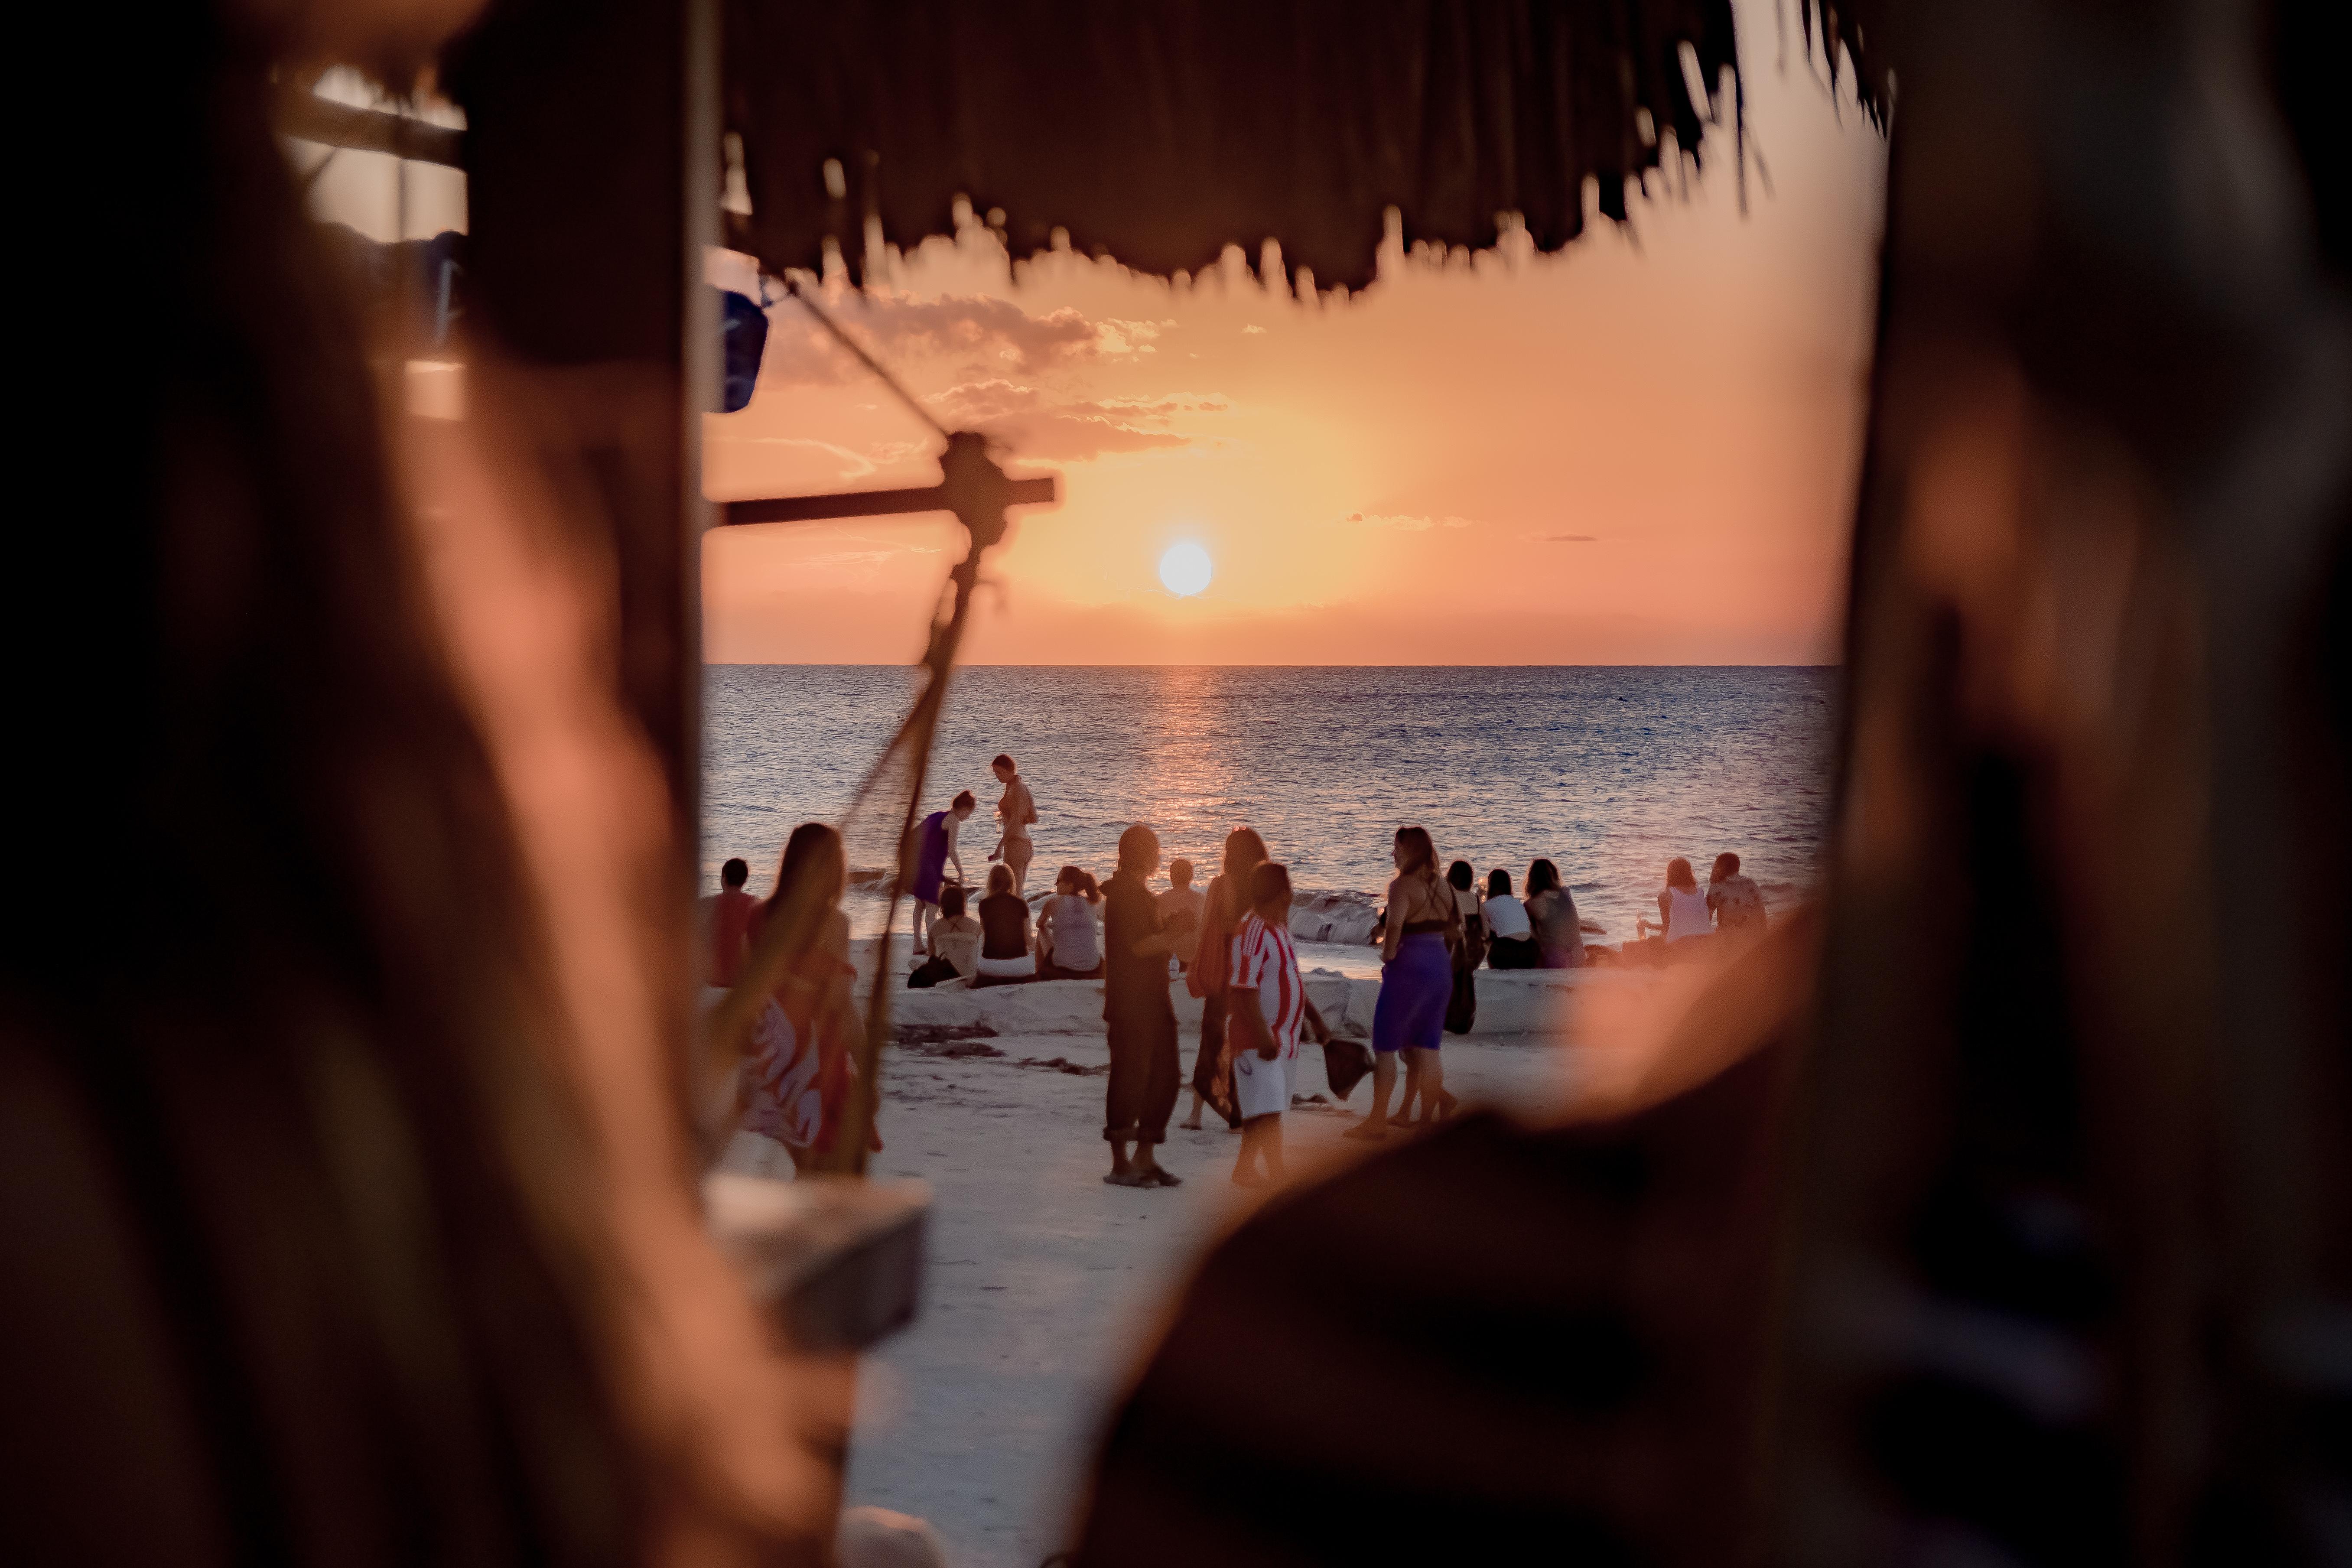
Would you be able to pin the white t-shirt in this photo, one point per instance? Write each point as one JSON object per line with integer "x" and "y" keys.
{"x": 1506, "y": 916}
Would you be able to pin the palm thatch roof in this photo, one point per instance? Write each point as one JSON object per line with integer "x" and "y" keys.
{"x": 1162, "y": 131}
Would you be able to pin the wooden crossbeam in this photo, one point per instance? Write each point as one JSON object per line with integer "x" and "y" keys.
{"x": 877, "y": 503}
{"x": 314, "y": 118}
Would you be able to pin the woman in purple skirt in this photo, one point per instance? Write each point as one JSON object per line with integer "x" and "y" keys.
{"x": 935, "y": 846}
{"x": 1424, "y": 923}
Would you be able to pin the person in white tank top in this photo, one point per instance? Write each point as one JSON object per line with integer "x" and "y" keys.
{"x": 1682, "y": 907}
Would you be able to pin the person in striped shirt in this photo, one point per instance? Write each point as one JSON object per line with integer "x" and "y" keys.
{"x": 1266, "y": 1002}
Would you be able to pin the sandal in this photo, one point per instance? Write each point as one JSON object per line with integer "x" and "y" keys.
{"x": 1128, "y": 1179}
{"x": 1161, "y": 1177}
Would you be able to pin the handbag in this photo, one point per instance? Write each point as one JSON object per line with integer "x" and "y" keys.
{"x": 1345, "y": 1063}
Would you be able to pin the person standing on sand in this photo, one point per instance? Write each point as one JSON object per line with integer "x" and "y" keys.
{"x": 1423, "y": 924}
{"x": 1180, "y": 914}
{"x": 1461, "y": 1006}
{"x": 935, "y": 846}
{"x": 1016, "y": 810}
{"x": 1266, "y": 1002}
{"x": 727, "y": 924}
{"x": 1139, "y": 1017}
{"x": 1223, "y": 909}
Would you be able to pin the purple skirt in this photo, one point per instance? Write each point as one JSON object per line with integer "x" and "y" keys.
{"x": 931, "y": 859}
{"x": 1414, "y": 988}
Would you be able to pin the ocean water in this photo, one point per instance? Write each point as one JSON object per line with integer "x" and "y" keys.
{"x": 1608, "y": 771}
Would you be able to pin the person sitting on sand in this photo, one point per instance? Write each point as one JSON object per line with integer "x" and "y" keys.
{"x": 1067, "y": 944}
{"x": 935, "y": 847}
{"x": 1736, "y": 901}
{"x": 1423, "y": 924}
{"x": 1510, "y": 936}
{"x": 1266, "y": 1002}
{"x": 1016, "y": 811}
{"x": 1552, "y": 910}
{"x": 1004, "y": 955}
{"x": 1138, "y": 1017}
{"x": 727, "y": 924}
{"x": 1461, "y": 1006}
{"x": 1682, "y": 908}
{"x": 1222, "y": 911}
{"x": 1179, "y": 912}
{"x": 952, "y": 950}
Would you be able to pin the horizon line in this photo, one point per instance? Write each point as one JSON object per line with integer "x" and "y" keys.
{"x": 1027, "y": 664}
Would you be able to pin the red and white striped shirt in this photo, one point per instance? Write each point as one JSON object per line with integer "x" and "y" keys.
{"x": 1263, "y": 961}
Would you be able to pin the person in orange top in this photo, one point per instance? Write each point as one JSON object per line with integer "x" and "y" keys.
{"x": 727, "y": 924}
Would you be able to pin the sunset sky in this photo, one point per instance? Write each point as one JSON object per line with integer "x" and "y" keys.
{"x": 1641, "y": 451}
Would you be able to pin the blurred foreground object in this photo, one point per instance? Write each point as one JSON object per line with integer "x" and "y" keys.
{"x": 840, "y": 1263}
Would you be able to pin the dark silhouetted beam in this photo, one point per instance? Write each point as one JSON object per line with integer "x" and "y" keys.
{"x": 315, "y": 118}
{"x": 877, "y": 503}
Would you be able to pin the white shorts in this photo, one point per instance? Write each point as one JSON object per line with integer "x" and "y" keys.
{"x": 1261, "y": 1088}
{"x": 1020, "y": 968}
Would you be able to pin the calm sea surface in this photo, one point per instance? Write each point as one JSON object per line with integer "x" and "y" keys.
{"x": 1608, "y": 771}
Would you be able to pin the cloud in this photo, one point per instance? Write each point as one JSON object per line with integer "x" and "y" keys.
{"x": 854, "y": 556}
{"x": 1114, "y": 335}
{"x": 1069, "y": 431}
{"x": 1247, "y": 331}
{"x": 855, "y": 464}
{"x": 997, "y": 332}
{"x": 1404, "y": 524}
{"x": 1568, "y": 538}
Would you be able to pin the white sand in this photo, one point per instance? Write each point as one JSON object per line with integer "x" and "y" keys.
{"x": 1043, "y": 1282}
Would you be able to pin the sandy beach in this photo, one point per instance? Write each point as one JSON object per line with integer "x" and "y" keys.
{"x": 1044, "y": 1284}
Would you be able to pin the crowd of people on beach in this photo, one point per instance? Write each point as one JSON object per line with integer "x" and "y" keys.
{"x": 1230, "y": 945}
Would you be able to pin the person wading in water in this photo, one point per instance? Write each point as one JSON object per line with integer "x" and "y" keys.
{"x": 1016, "y": 810}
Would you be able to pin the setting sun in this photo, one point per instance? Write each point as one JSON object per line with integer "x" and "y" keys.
{"x": 1185, "y": 569}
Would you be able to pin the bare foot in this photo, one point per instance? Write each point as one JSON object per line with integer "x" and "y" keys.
{"x": 1128, "y": 1179}
{"x": 1242, "y": 1180}
{"x": 1193, "y": 1125}
{"x": 1163, "y": 1177}
{"x": 1368, "y": 1131}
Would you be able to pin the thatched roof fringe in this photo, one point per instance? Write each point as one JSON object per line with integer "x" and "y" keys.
{"x": 1162, "y": 131}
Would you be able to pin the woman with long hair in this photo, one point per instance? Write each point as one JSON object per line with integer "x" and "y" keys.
{"x": 1228, "y": 905}
{"x": 1069, "y": 947}
{"x": 1551, "y": 910}
{"x": 797, "y": 1081}
{"x": 1683, "y": 908}
{"x": 1423, "y": 924}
